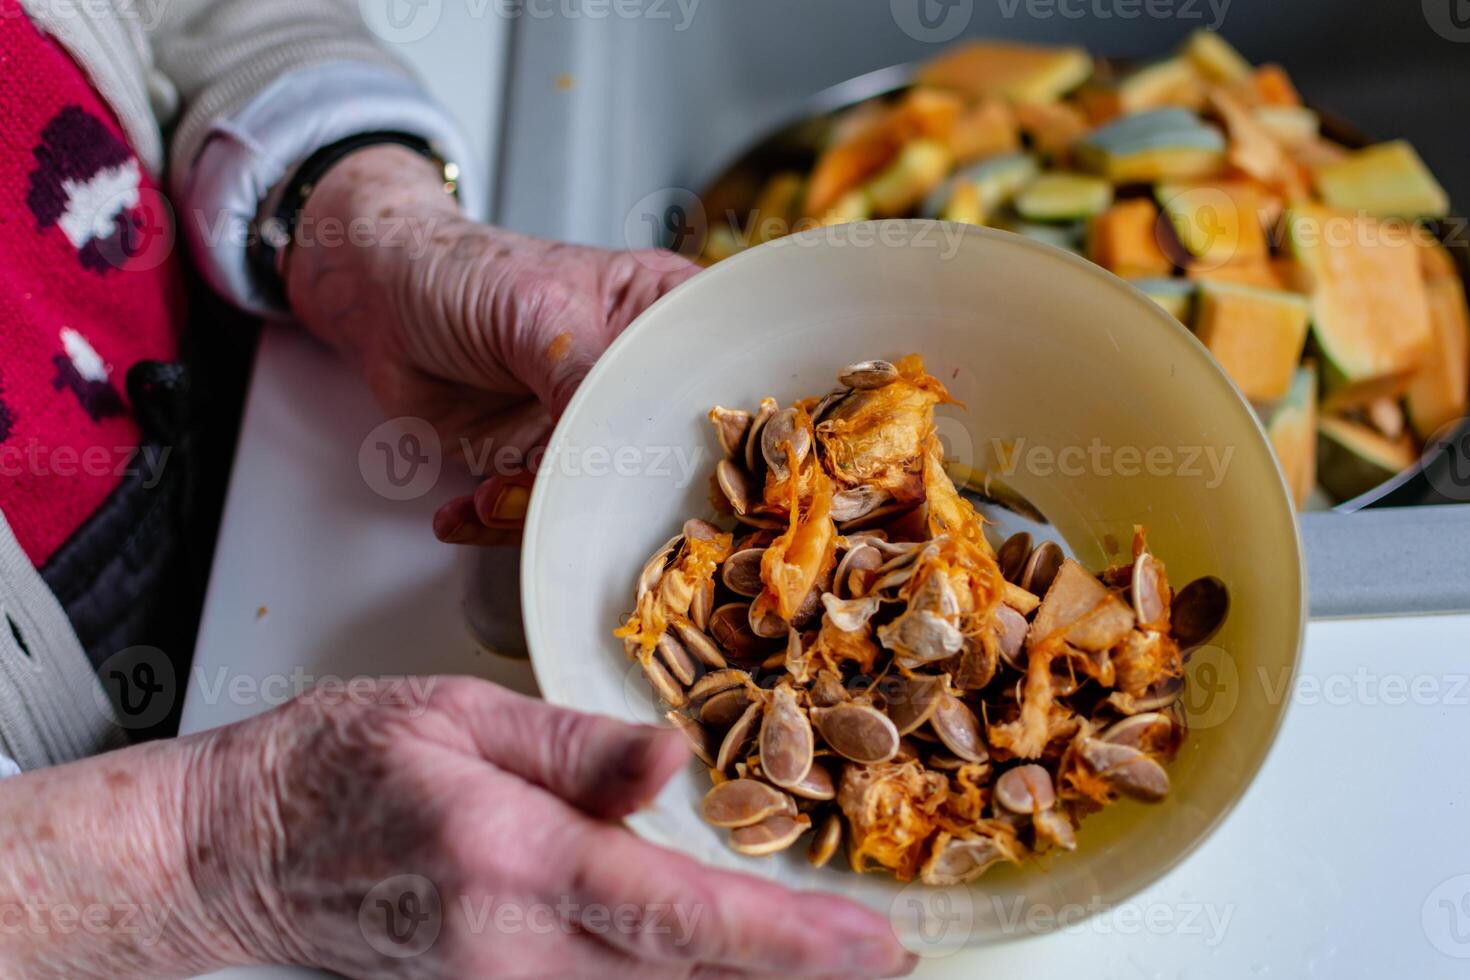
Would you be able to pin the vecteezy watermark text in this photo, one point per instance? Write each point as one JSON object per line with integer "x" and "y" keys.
{"x": 407, "y": 21}
{"x": 34, "y": 458}
{"x": 1207, "y": 13}
{"x": 402, "y": 459}
{"x": 403, "y": 916}
{"x": 38, "y": 917}
{"x": 1207, "y": 463}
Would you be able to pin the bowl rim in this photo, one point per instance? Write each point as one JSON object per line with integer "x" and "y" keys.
{"x": 536, "y": 514}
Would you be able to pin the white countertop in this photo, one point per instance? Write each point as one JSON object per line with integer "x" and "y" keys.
{"x": 1349, "y": 858}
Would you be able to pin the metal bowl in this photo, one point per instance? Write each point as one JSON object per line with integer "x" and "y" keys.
{"x": 1442, "y": 474}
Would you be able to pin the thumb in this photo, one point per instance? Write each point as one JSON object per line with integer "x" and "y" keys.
{"x": 602, "y": 766}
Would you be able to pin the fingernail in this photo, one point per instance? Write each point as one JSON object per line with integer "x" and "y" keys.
{"x": 879, "y": 957}
{"x": 511, "y": 504}
{"x": 446, "y": 526}
{"x": 640, "y": 754}
{"x": 464, "y": 534}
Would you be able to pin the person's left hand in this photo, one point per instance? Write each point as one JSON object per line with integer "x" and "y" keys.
{"x": 483, "y": 333}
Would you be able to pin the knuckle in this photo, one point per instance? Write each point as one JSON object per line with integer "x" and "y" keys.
{"x": 570, "y": 739}
{"x": 460, "y": 697}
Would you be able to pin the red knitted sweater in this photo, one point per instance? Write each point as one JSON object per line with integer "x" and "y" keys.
{"x": 90, "y": 286}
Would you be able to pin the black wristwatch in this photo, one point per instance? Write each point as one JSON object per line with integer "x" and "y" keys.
{"x": 281, "y": 212}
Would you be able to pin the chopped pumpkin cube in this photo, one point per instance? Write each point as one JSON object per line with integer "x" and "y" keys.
{"x": 1290, "y": 125}
{"x": 964, "y": 205}
{"x": 1436, "y": 262}
{"x": 1242, "y": 272}
{"x": 986, "y": 129}
{"x": 1176, "y": 296}
{"x": 1174, "y": 82}
{"x": 1161, "y": 144}
{"x": 1099, "y": 103}
{"x": 855, "y": 205}
{"x": 1257, "y": 335}
{"x": 1019, "y": 72}
{"x": 1388, "y": 180}
{"x": 1370, "y": 311}
{"x": 1437, "y": 396}
{"x": 1124, "y": 239}
{"x": 1218, "y": 222}
{"x": 777, "y": 207}
{"x": 1253, "y": 149}
{"x": 1353, "y": 459}
{"x": 1214, "y": 57}
{"x": 919, "y": 167}
{"x": 1052, "y": 126}
{"x": 1291, "y": 425}
{"x": 1274, "y": 87}
{"x": 873, "y": 142}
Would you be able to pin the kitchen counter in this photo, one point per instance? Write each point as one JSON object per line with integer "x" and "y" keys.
{"x": 1347, "y": 859}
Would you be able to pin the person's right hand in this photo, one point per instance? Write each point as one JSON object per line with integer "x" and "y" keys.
{"x": 505, "y": 806}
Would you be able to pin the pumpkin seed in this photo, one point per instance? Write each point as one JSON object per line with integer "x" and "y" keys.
{"x": 816, "y": 785}
{"x": 786, "y": 741}
{"x": 754, "y": 459}
{"x": 1149, "y": 591}
{"x": 737, "y": 485}
{"x": 914, "y": 701}
{"x": 1026, "y": 789}
{"x": 763, "y": 620}
{"x": 1127, "y": 769}
{"x": 1199, "y": 611}
{"x": 653, "y": 569}
{"x": 663, "y": 683}
{"x": 731, "y": 427}
{"x": 1012, "y": 556}
{"x": 697, "y": 735}
{"x": 729, "y": 625}
{"x": 868, "y": 375}
{"x": 698, "y": 645}
{"x": 825, "y": 841}
{"x": 783, "y": 434}
{"x": 717, "y": 681}
{"x": 744, "y": 803}
{"x": 958, "y": 728}
{"x": 1056, "y": 827}
{"x": 858, "y": 732}
{"x": 771, "y": 835}
{"x": 677, "y": 659}
{"x": 700, "y": 607}
{"x": 724, "y": 709}
{"x": 857, "y": 503}
{"x": 739, "y": 735}
{"x": 1143, "y": 731}
{"x": 856, "y": 569}
{"x": 957, "y": 861}
{"x": 741, "y": 572}
{"x": 1010, "y": 633}
{"x": 1041, "y": 568}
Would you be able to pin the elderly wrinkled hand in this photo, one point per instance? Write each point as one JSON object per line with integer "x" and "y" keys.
{"x": 482, "y": 332}
{"x": 501, "y": 807}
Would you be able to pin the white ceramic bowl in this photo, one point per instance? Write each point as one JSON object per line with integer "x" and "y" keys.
{"x": 1048, "y": 353}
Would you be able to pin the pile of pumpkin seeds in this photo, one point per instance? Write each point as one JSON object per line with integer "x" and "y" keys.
{"x": 935, "y": 704}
